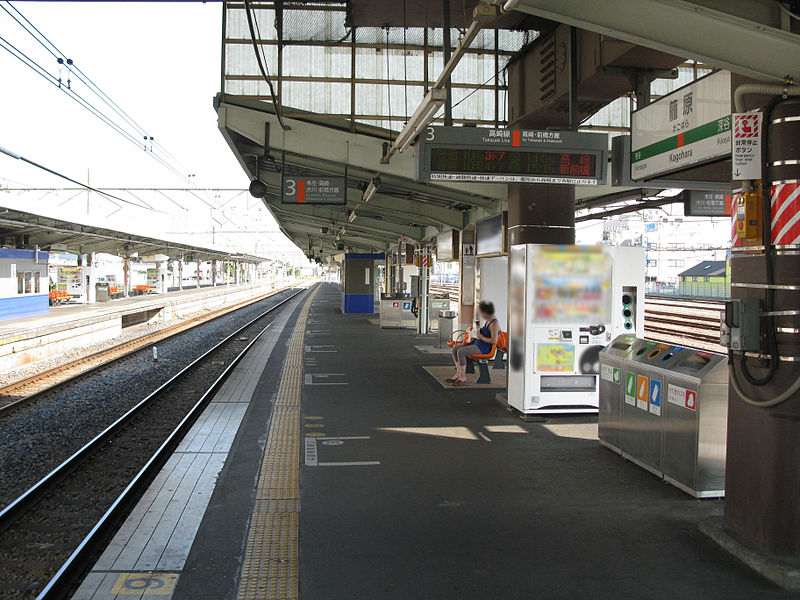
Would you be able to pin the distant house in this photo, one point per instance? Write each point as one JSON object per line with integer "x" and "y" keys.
{"x": 708, "y": 279}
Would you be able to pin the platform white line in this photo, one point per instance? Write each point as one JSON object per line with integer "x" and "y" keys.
{"x": 351, "y": 437}
{"x": 363, "y": 463}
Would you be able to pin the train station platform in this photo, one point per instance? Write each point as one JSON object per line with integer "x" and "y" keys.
{"x": 27, "y": 339}
{"x": 332, "y": 466}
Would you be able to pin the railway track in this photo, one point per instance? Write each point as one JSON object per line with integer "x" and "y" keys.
{"x": 21, "y": 392}
{"x": 51, "y": 532}
{"x": 683, "y": 321}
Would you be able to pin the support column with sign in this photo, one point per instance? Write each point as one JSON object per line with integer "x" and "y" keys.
{"x": 763, "y": 450}
{"x": 423, "y": 322}
{"x": 541, "y": 168}
{"x": 466, "y": 296}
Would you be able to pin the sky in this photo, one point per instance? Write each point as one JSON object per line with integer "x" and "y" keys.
{"x": 160, "y": 62}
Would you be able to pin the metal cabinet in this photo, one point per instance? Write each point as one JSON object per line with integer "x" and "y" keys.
{"x": 392, "y": 310}
{"x": 664, "y": 407}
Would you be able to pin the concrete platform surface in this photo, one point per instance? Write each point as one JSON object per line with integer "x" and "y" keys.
{"x": 69, "y": 314}
{"x": 148, "y": 553}
{"x": 408, "y": 490}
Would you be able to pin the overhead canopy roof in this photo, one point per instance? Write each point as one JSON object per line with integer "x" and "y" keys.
{"x": 319, "y": 146}
{"x": 341, "y": 69}
{"x": 24, "y": 229}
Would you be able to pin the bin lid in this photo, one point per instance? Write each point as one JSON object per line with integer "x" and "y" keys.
{"x": 447, "y": 314}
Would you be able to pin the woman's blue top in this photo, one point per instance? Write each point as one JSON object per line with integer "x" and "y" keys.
{"x": 485, "y": 331}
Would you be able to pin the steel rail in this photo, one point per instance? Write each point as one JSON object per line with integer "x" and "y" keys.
{"x": 62, "y": 580}
{"x": 138, "y": 344}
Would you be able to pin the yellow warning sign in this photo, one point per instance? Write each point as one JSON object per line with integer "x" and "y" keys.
{"x": 145, "y": 584}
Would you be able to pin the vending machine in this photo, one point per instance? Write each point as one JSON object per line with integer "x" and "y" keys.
{"x": 566, "y": 303}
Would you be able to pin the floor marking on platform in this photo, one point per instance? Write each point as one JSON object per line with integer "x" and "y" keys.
{"x": 270, "y": 565}
{"x": 314, "y": 418}
{"x": 145, "y": 584}
{"x": 363, "y": 463}
{"x": 315, "y": 434}
{"x": 321, "y": 348}
{"x": 311, "y": 452}
{"x": 313, "y": 379}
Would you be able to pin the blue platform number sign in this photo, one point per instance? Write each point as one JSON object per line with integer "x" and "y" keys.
{"x": 655, "y": 397}
{"x": 406, "y": 306}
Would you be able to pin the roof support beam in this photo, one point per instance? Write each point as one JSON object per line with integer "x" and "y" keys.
{"x": 303, "y": 228}
{"x": 710, "y": 32}
{"x": 316, "y": 224}
{"x": 340, "y": 216}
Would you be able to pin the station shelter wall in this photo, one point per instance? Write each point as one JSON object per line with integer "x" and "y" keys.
{"x": 24, "y": 287}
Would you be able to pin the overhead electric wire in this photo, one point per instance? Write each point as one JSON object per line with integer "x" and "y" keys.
{"x": 83, "y": 77}
{"x": 71, "y": 93}
{"x": 51, "y": 48}
{"x": 71, "y": 180}
{"x": 50, "y": 78}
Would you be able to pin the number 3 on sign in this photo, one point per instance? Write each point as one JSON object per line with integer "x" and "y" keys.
{"x": 291, "y": 187}
{"x": 430, "y": 135}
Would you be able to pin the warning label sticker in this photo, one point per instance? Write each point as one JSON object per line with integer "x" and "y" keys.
{"x": 682, "y": 397}
{"x": 746, "y": 161}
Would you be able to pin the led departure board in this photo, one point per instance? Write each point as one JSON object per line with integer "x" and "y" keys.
{"x": 473, "y": 154}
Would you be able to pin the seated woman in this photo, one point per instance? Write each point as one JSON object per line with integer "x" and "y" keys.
{"x": 484, "y": 340}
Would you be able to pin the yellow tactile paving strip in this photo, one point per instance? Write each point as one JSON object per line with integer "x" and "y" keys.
{"x": 271, "y": 558}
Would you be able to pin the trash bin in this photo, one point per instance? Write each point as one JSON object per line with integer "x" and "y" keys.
{"x": 664, "y": 407}
{"x": 437, "y": 303}
{"x": 101, "y": 293}
{"x": 446, "y": 319}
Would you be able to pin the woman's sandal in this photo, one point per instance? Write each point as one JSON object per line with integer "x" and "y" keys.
{"x": 458, "y": 382}
{"x": 451, "y": 379}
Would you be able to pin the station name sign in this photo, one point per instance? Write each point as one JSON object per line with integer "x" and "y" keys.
{"x": 687, "y": 127}
{"x": 472, "y": 154}
{"x": 314, "y": 190}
